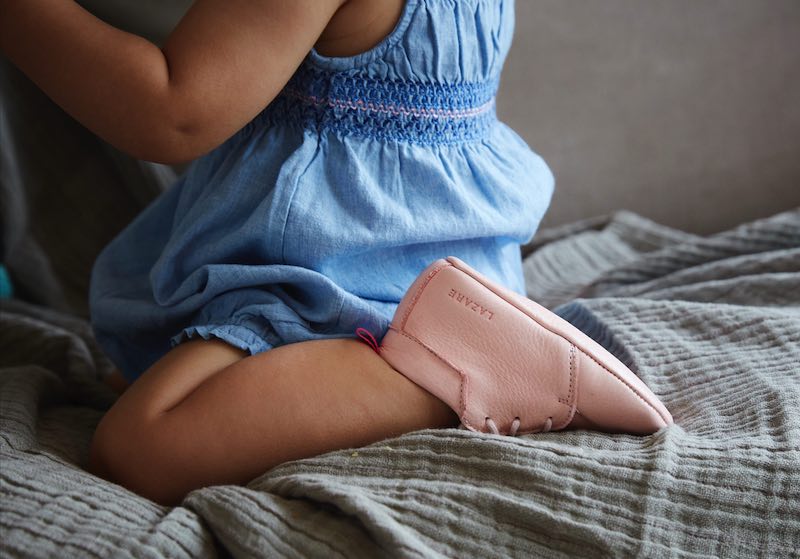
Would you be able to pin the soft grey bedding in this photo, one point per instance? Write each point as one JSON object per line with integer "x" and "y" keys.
{"x": 711, "y": 324}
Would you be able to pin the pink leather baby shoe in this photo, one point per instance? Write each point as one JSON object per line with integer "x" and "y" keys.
{"x": 507, "y": 365}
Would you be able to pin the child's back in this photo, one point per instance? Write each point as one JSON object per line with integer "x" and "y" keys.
{"x": 314, "y": 218}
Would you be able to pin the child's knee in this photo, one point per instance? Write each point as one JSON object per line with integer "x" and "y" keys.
{"x": 111, "y": 445}
{"x": 130, "y": 452}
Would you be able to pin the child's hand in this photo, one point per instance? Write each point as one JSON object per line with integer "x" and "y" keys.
{"x": 223, "y": 63}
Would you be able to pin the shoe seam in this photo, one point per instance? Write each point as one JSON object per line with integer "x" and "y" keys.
{"x": 464, "y": 380}
{"x": 571, "y": 400}
{"x": 418, "y": 293}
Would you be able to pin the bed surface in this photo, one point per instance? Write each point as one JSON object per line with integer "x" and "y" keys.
{"x": 711, "y": 324}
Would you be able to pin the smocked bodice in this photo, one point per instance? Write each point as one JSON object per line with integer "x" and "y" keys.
{"x": 433, "y": 80}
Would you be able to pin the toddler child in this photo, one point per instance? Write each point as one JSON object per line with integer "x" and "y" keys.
{"x": 337, "y": 148}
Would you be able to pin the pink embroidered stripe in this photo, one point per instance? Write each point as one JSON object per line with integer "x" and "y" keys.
{"x": 393, "y": 109}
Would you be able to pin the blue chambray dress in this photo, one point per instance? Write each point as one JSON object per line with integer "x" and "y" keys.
{"x": 316, "y": 217}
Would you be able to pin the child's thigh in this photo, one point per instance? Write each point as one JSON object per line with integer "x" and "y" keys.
{"x": 173, "y": 377}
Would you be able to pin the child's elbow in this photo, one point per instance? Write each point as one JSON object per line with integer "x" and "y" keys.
{"x": 180, "y": 131}
{"x": 171, "y": 145}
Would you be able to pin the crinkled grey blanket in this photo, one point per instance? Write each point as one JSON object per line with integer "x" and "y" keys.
{"x": 711, "y": 324}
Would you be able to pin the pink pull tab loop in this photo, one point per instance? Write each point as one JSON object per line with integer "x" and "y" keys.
{"x": 368, "y": 338}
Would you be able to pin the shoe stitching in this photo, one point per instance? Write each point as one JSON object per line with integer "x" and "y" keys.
{"x": 419, "y": 293}
{"x": 462, "y": 392}
{"x": 571, "y": 372}
{"x": 571, "y": 402}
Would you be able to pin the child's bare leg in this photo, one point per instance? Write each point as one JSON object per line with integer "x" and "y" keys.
{"x": 182, "y": 425}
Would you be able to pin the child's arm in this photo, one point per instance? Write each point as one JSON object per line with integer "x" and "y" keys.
{"x": 223, "y": 63}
